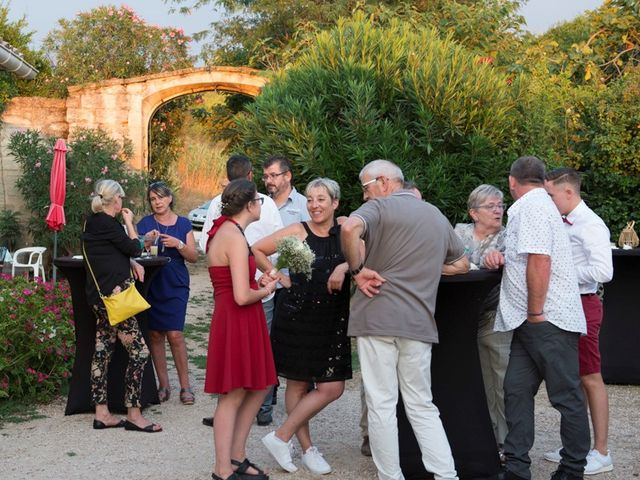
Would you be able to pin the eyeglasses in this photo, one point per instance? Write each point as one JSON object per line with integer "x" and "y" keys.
{"x": 272, "y": 176}
{"x": 260, "y": 200}
{"x": 492, "y": 206}
{"x": 365, "y": 185}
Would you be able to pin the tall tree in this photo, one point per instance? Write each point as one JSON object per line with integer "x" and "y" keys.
{"x": 16, "y": 35}
{"x": 112, "y": 42}
{"x": 271, "y": 34}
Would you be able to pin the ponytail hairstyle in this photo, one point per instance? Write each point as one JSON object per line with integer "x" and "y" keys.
{"x": 105, "y": 192}
{"x": 236, "y": 196}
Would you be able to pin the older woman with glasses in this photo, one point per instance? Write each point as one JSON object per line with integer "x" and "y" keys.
{"x": 486, "y": 208}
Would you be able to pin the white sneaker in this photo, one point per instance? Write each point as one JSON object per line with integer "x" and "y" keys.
{"x": 553, "y": 455}
{"x": 314, "y": 462}
{"x": 280, "y": 450}
{"x": 598, "y": 463}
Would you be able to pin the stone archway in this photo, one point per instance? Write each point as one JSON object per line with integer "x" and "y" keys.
{"x": 124, "y": 108}
{"x": 121, "y": 107}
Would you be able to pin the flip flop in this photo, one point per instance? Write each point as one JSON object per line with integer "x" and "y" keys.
{"x": 98, "y": 425}
{"x": 135, "y": 428}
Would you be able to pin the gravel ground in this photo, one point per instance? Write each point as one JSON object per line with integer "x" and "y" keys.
{"x": 55, "y": 447}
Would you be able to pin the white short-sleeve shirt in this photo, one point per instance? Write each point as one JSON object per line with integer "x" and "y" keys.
{"x": 591, "y": 249}
{"x": 535, "y": 227}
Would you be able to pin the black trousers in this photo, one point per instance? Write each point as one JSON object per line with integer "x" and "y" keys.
{"x": 542, "y": 351}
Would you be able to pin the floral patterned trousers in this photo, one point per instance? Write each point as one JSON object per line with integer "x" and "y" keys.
{"x": 131, "y": 338}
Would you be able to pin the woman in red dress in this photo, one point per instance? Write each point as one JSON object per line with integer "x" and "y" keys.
{"x": 240, "y": 364}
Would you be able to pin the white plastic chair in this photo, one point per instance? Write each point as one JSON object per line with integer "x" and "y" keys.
{"x": 34, "y": 261}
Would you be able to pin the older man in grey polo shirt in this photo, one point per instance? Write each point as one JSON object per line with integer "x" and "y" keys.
{"x": 392, "y": 314}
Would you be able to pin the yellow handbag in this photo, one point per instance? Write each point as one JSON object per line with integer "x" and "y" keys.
{"x": 124, "y": 304}
{"x": 121, "y": 305}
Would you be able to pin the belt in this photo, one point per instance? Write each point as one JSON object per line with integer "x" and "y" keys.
{"x": 587, "y": 294}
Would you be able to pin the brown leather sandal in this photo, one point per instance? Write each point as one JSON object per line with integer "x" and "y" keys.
{"x": 187, "y": 397}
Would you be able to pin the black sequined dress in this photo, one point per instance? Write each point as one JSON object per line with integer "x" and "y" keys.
{"x": 309, "y": 333}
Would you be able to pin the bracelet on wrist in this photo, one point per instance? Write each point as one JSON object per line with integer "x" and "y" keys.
{"x": 531, "y": 314}
{"x": 357, "y": 270}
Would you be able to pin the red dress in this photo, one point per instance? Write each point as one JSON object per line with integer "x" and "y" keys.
{"x": 239, "y": 354}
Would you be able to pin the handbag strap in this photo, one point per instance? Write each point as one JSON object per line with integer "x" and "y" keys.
{"x": 86, "y": 257}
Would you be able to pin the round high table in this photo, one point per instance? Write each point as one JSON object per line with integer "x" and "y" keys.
{"x": 79, "y": 399}
{"x": 456, "y": 382}
{"x": 620, "y": 332}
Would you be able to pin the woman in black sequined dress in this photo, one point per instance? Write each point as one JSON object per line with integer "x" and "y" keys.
{"x": 309, "y": 332}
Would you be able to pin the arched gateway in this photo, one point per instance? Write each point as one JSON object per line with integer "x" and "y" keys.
{"x": 121, "y": 107}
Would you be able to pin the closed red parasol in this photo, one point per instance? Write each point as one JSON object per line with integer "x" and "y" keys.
{"x": 58, "y": 187}
{"x": 57, "y": 191}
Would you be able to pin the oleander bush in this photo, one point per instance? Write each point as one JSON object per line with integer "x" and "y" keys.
{"x": 36, "y": 338}
{"x": 91, "y": 156}
{"x": 398, "y": 92}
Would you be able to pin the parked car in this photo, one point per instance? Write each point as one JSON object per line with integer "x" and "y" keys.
{"x": 198, "y": 215}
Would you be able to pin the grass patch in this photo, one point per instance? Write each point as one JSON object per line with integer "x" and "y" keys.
{"x": 12, "y": 411}
{"x": 355, "y": 360}
{"x": 199, "y": 361}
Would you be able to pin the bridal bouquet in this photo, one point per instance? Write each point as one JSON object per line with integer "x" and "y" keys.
{"x": 296, "y": 255}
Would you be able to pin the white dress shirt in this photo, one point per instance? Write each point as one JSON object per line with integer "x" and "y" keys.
{"x": 269, "y": 222}
{"x": 590, "y": 247}
{"x": 534, "y": 227}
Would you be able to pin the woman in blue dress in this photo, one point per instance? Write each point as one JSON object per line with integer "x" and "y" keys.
{"x": 169, "y": 290}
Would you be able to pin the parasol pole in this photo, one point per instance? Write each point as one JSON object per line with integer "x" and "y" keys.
{"x": 55, "y": 254}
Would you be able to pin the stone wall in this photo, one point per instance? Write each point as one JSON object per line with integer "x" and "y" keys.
{"x": 49, "y": 115}
{"x": 122, "y": 108}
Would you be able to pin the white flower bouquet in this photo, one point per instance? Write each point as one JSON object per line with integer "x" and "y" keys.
{"x": 296, "y": 255}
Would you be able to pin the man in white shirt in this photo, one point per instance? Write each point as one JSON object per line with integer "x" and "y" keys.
{"x": 239, "y": 166}
{"x": 277, "y": 175}
{"x": 539, "y": 301}
{"x": 592, "y": 260}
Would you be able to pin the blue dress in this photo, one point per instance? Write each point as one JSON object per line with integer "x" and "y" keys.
{"x": 169, "y": 290}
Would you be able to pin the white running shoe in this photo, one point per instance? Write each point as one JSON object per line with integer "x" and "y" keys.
{"x": 280, "y": 450}
{"x": 314, "y": 462}
{"x": 598, "y": 463}
{"x": 553, "y": 455}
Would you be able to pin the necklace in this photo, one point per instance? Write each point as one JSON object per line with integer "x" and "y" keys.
{"x": 166, "y": 230}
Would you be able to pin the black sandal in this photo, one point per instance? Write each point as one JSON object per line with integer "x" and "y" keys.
{"x": 245, "y": 465}
{"x": 233, "y": 476}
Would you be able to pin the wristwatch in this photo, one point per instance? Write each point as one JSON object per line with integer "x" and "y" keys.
{"x": 181, "y": 245}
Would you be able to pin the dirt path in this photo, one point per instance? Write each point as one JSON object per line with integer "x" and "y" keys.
{"x": 58, "y": 447}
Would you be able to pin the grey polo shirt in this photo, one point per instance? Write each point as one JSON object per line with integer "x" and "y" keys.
{"x": 294, "y": 210}
{"x": 407, "y": 242}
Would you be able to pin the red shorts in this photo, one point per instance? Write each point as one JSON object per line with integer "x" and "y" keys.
{"x": 589, "y": 344}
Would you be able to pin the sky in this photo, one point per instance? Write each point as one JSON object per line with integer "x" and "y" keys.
{"x": 42, "y": 15}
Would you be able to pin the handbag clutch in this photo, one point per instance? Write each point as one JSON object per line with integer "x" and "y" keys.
{"x": 122, "y": 305}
